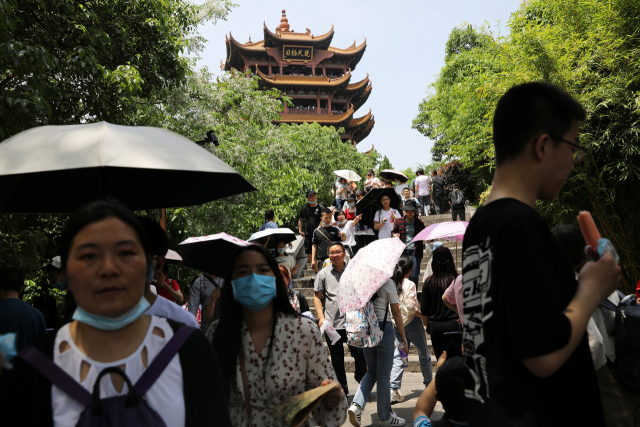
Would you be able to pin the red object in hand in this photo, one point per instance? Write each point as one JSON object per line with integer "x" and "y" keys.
{"x": 589, "y": 229}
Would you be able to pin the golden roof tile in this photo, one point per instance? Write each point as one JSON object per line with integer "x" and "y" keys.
{"x": 358, "y": 85}
{"x": 360, "y": 120}
{"x": 349, "y": 51}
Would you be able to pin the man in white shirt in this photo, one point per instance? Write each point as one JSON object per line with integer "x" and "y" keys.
{"x": 422, "y": 191}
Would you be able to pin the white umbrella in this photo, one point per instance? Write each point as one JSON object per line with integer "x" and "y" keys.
{"x": 172, "y": 257}
{"x": 273, "y": 235}
{"x": 372, "y": 266}
{"x": 348, "y": 175}
{"x": 50, "y": 169}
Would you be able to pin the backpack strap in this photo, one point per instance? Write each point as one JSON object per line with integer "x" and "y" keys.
{"x": 163, "y": 358}
{"x": 384, "y": 322}
{"x": 55, "y": 374}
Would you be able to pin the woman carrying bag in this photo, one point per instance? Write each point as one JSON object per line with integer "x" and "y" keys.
{"x": 380, "y": 358}
{"x": 267, "y": 351}
{"x": 439, "y": 318}
{"x": 126, "y": 361}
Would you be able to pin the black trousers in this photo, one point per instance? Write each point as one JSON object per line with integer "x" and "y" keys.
{"x": 337, "y": 360}
{"x": 457, "y": 212}
{"x": 362, "y": 240}
{"x": 437, "y": 330}
{"x": 437, "y": 204}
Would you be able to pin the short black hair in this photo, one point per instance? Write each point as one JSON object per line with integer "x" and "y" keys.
{"x": 372, "y": 172}
{"x": 420, "y": 172}
{"x": 528, "y": 109}
{"x": 158, "y": 239}
{"x": 49, "y": 268}
{"x": 434, "y": 172}
{"x": 338, "y": 212}
{"x": 450, "y": 388}
{"x": 572, "y": 240}
{"x": 360, "y": 193}
{"x": 165, "y": 269}
{"x": 11, "y": 279}
{"x": 336, "y": 243}
{"x": 97, "y": 211}
{"x": 269, "y": 215}
{"x": 325, "y": 210}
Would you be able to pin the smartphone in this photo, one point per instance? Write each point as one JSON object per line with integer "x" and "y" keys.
{"x": 452, "y": 344}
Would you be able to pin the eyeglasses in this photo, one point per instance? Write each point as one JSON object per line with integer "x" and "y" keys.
{"x": 335, "y": 253}
{"x": 577, "y": 155}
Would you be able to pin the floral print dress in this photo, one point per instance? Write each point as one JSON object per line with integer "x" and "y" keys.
{"x": 298, "y": 363}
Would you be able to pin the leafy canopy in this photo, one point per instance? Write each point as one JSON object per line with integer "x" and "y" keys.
{"x": 589, "y": 48}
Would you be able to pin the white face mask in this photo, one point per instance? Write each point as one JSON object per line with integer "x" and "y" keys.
{"x": 282, "y": 250}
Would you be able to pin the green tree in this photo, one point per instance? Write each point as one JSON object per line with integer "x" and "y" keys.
{"x": 68, "y": 62}
{"x": 383, "y": 165}
{"x": 591, "y": 50}
{"x": 282, "y": 162}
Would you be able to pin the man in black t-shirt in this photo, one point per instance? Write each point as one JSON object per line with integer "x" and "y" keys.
{"x": 311, "y": 213}
{"x": 525, "y": 348}
{"x": 437, "y": 192}
{"x": 323, "y": 237}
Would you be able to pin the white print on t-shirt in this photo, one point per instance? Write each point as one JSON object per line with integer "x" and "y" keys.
{"x": 476, "y": 281}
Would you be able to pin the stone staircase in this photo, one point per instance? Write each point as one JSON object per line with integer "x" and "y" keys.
{"x": 304, "y": 283}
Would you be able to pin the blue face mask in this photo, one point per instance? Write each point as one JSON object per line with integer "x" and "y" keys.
{"x": 110, "y": 323}
{"x": 312, "y": 203}
{"x": 61, "y": 285}
{"x": 351, "y": 204}
{"x": 282, "y": 250}
{"x": 254, "y": 292}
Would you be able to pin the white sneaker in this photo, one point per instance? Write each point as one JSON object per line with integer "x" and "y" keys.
{"x": 355, "y": 414}
{"x": 396, "y": 397}
{"x": 394, "y": 420}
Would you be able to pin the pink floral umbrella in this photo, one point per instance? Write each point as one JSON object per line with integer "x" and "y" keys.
{"x": 452, "y": 230}
{"x": 210, "y": 254}
{"x": 372, "y": 266}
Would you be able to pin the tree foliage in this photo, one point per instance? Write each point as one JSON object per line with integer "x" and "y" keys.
{"x": 67, "y": 62}
{"x": 590, "y": 49}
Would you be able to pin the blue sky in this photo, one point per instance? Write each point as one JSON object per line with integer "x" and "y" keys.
{"x": 405, "y": 52}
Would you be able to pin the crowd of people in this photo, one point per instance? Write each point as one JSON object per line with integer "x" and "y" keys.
{"x": 136, "y": 348}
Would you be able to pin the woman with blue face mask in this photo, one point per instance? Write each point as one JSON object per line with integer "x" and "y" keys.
{"x": 106, "y": 258}
{"x": 268, "y": 352}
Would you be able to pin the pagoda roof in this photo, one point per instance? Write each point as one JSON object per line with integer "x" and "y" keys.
{"x": 360, "y": 122}
{"x": 354, "y": 87}
{"x": 337, "y": 120}
{"x": 305, "y": 80}
{"x": 280, "y": 38}
{"x": 359, "y": 136}
{"x": 354, "y": 51}
{"x": 362, "y": 98}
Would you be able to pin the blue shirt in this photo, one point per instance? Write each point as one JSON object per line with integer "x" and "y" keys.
{"x": 19, "y": 317}
{"x": 268, "y": 225}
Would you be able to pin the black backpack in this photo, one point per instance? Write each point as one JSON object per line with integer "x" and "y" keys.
{"x": 626, "y": 367}
{"x": 457, "y": 199}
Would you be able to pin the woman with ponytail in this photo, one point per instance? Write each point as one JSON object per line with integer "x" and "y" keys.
{"x": 412, "y": 322}
{"x": 438, "y": 317}
{"x": 380, "y": 358}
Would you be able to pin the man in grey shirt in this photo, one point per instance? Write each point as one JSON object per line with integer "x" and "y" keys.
{"x": 201, "y": 289}
{"x": 326, "y": 285}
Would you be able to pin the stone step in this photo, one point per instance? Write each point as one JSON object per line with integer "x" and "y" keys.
{"x": 305, "y": 282}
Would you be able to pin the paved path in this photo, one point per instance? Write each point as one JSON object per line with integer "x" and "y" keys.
{"x": 412, "y": 387}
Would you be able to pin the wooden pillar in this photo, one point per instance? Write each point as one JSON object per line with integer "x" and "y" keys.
{"x": 329, "y": 103}
{"x": 269, "y": 65}
{"x": 318, "y": 99}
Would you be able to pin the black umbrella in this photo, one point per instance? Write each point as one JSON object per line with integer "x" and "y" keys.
{"x": 57, "y": 169}
{"x": 370, "y": 204}
{"x": 211, "y": 254}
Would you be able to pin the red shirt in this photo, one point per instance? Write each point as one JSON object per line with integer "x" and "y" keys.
{"x": 165, "y": 293}
{"x": 350, "y": 215}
